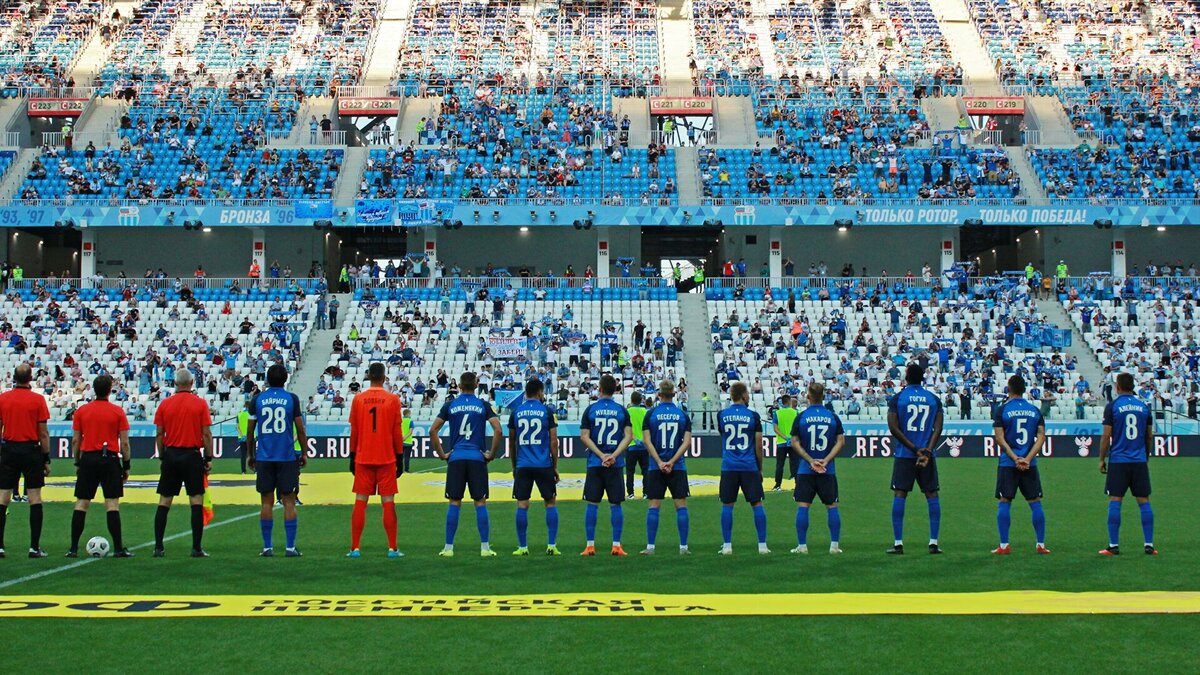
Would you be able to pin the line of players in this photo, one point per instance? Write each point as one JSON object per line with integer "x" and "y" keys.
{"x": 654, "y": 439}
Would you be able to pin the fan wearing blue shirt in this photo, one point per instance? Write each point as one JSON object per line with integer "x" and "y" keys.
{"x": 605, "y": 432}
{"x": 1125, "y": 447}
{"x": 741, "y": 465}
{"x": 818, "y": 438}
{"x": 1020, "y": 432}
{"x": 667, "y": 433}
{"x": 467, "y": 417}
{"x": 275, "y": 426}
{"x": 533, "y": 448}
{"x": 915, "y": 421}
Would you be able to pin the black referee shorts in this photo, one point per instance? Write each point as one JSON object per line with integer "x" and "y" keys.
{"x": 1009, "y": 479}
{"x": 22, "y": 460}
{"x": 99, "y": 470}
{"x": 181, "y": 468}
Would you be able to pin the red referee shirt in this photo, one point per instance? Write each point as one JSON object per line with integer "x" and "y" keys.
{"x": 21, "y": 410}
{"x": 182, "y": 417}
{"x": 98, "y": 423}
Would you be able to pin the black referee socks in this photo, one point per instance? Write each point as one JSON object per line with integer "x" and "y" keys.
{"x": 77, "y": 520}
{"x": 114, "y": 529}
{"x": 197, "y": 526}
{"x": 160, "y": 525}
{"x": 35, "y": 526}
{"x": 3, "y": 522}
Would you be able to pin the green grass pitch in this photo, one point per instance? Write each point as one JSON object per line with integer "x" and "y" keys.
{"x": 1075, "y": 508}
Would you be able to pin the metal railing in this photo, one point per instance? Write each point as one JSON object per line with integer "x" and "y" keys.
{"x": 322, "y": 138}
{"x": 55, "y": 139}
{"x": 165, "y": 283}
{"x": 11, "y": 139}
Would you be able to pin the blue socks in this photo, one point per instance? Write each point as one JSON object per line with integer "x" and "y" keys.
{"x": 1039, "y": 521}
{"x": 590, "y": 515}
{"x": 452, "y": 523}
{"x": 727, "y": 523}
{"x": 267, "y": 526}
{"x": 522, "y": 527}
{"x": 483, "y": 523}
{"x": 651, "y": 526}
{"x": 289, "y": 526}
{"x": 835, "y": 524}
{"x": 760, "y": 524}
{"x": 682, "y": 522}
{"x": 935, "y": 517}
{"x": 1004, "y": 520}
{"x": 802, "y": 525}
{"x": 552, "y": 525}
{"x": 617, "y": 518}
{"x": 1147, "y": 522}
{"x": 898, "y": 518}
{"x": 1114, "y": 523}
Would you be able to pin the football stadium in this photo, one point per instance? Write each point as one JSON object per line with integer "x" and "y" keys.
{"x": 456, "y": 334}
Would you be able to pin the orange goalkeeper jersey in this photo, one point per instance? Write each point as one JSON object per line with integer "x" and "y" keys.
{"x": 376, "y": 435}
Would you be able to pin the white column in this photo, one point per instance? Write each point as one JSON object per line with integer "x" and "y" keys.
{"x": 430, "y": 248}
{"x": 258, "y": 250}
{"x": 603, "y": 264}
{"x": 1118, "y": 254}
{"x": 775, "y": 262}
{"x": 87, "y": 257}
{"x": 949, "y": 252}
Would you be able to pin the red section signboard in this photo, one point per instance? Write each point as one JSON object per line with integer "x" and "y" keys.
{"x": 364, "y": 106}
{"x": 994, "y": 105}
{"x": 681, "y": 105}
{"x": 56, "y": 107}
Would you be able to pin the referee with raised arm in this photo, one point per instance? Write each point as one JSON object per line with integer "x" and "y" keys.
{"x": 25, "y": 452}
{"x": 185, "y": 450}
{"x": 100, "y": 447}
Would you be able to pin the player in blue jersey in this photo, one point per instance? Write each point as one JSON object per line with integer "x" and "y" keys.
{"x": 605, "y": 432}
{"x": 276, "y": 425}
{"x": 1020, "y": 433}
{"x": 667, "y": 433}
{"x": 533, "y": 448}
{"x": 915, "y": 420}
{"x": 818, "y": 438}
{"x": 741, "y": 465}
{"x": 1125, "y": 447}
{"x": 467, "y": 417}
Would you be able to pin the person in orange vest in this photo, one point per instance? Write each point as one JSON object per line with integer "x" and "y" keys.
{"x": 255, "y": 270}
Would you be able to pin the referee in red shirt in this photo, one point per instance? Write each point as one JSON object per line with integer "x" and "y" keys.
{"x": 25, "y": 452}
{"x": 185, "y": 450}
{"x": 100, "y": 446}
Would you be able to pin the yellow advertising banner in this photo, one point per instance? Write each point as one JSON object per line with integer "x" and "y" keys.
{"x": 601, "y": 604}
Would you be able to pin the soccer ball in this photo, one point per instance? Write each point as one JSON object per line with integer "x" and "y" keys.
{"x": 97, "y": 547}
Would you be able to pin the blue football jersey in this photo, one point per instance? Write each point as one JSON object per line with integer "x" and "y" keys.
{"x": 530, "y": 424}
{"x": 738, "y": 425}
{"x": 467, "y": 417}
{"x": 817, "y": 429}
{"x": 917, "y": 409}
{"x": 1130, "y": 420}
{"x": 273, "y": 413}
{"x": 605, "y": 421}
{"x": 665, "y": 425}
{"x": 1020, "y": 419}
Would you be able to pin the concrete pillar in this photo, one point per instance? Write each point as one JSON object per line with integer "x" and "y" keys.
{"x": 1118, "y": 254}
{"x": 87, "y": 257}
{"x": 603, "y": 264}
{"x": 258, "y": 250}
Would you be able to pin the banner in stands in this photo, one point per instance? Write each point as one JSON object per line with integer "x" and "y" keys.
{"x": 503, "y": 347}
{"x": 951, "y": 447}
{"x": 373, "y": 212}
{"x": 389, "y": 213}
{"x": 314, "y": 208}
{"x": 994, "y": 105}
{"x": 56, "y": 107}
{"x": 681, "y": 105}
{"x": 361, "y": 106}
{"x": 412, "y": 213}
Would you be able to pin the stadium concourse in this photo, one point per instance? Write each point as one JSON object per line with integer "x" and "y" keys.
{"x": 935, "y": 239}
